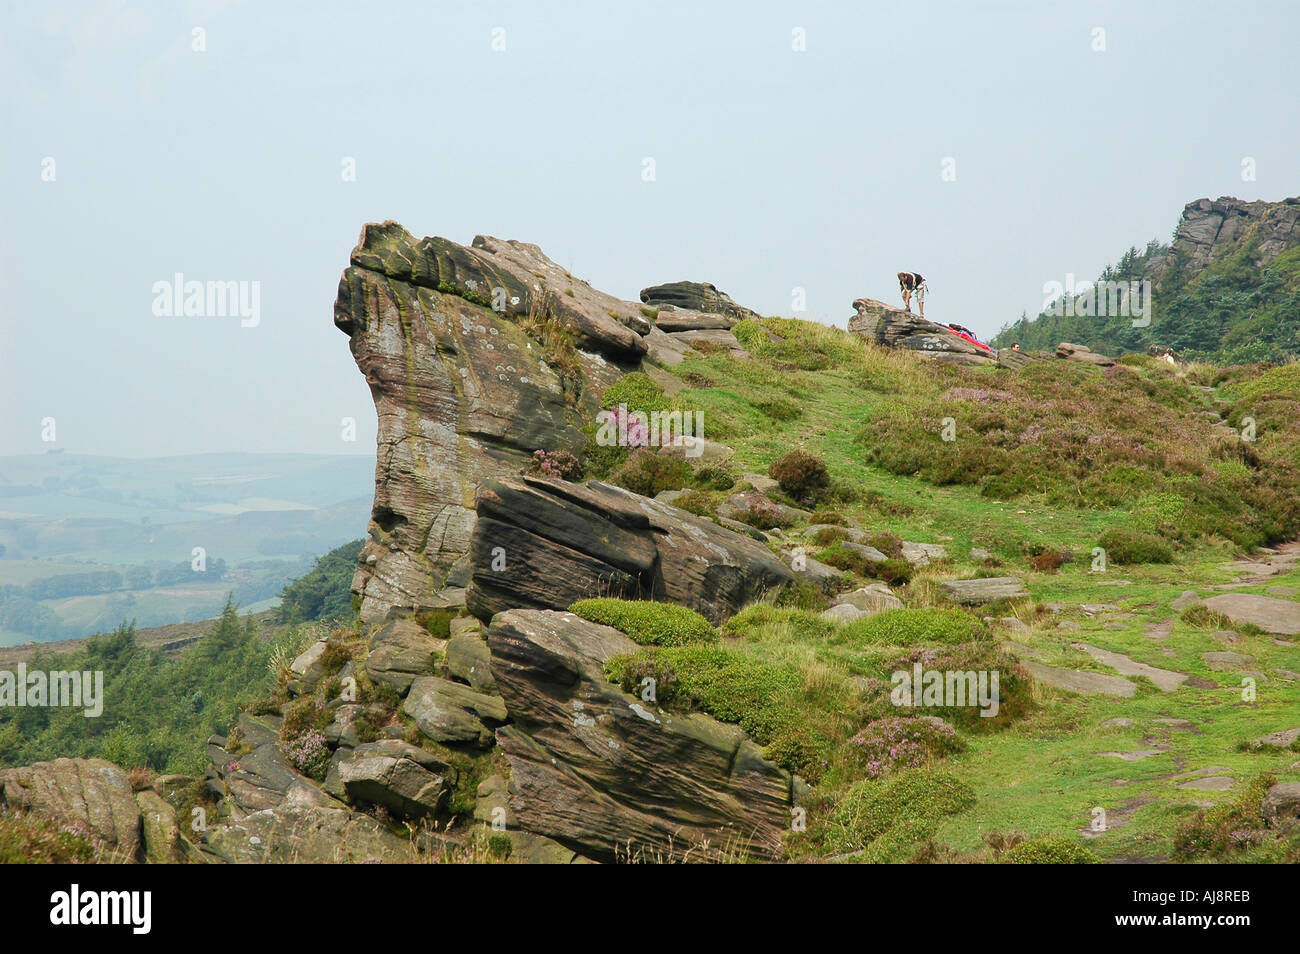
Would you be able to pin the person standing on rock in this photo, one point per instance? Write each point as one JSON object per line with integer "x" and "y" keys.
{"x": 909, "y": 283}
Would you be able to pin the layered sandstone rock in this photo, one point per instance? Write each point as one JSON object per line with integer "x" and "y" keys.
{"x": 613, "y": 777}
{"x": 476, "y": 357}
{"x": 548, "y": 543}
{"x": 1209, "y": 228}
{"x": 893, "y": 327}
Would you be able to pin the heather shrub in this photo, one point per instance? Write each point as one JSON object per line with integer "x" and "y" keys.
{"x": 1047, "y": 562}
{"x": 696, "y": 502}
{"x": 1014, "y": 691}
{"x": 828, "y": 516}
{"x": 891, "y": 545}
{"x": 764, "y": 514}
{"x": 829, "y": 535}
{"x": 868, "y": 809}
{"x": 647, "y": 472}
{"x": 1050, "y": 850}
{"x": 800, "y": 475}
{"x": 713, "y": 477}
{"x": 647, "y": 622}
{"x": 558, "y": 465}
{"x": 1130, "y": 547}
{"x": 887, "y": 745}
{"x": 1227, "y": 829}
{"x": 35, "y": 840}
{"x": 310, "y": 754}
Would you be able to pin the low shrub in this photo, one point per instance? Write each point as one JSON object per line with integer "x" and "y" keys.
{"x": 912, "y": 627}
{"x": 32, "y": 839}
{"x": 1227, "y": 829}
{"x": 1130, "y": 547}
{"x": 1050, "y": 850}
{"x": 868, "y": 809}
{"x": 1047, "y": 562}
{"x": 1014, "y": 695}
{"x": 889, "y": 544}
{"x": 647, "y": 472}
{"x": 764, "y": 514}
{"x": 887, "y": 745}
{"x": 559, "y": 465}
{"x": 800, "y": 475}
{"x": 647, "y": 622}
{"x": 310, "y": 754}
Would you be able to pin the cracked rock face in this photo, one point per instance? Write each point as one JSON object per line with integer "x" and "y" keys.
{"x": 462, "y": 393}
{"x": 609, "y": 775}
{"x": 547, "y": 543}
{"x": 1209, "y": 227}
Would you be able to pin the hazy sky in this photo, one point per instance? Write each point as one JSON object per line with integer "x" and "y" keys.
{"x": 775, "y": 169}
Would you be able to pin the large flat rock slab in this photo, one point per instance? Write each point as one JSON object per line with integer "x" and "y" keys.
{"x": 1166, "y": 679}
{"x": 1093, "y": 683}
{"x": 975, "y": 592}
{"x": 1269, "y": 613}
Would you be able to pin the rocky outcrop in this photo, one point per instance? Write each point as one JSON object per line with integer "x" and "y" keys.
{"x": 89, "y": 796}
{"x": 1077, "y": 352}
{"x": 476, "y": 356}
{"x": 611, "y": 776}
{"x": 1210, "y": 228}
{"x": 545, "y": 544}
{"x": 893, "y": 327}
{"x": 696, "y": 297}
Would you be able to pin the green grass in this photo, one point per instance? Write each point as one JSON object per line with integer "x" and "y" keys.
{"x": 1037, "y": 775}
{"x": 647, "y": 622}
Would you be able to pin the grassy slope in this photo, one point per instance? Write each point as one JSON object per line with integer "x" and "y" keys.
{"x": 1044, "y": 774}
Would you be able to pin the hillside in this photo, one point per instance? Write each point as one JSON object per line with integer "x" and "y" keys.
{"x": 1227, "y": 288}
{"x": 576, "y": 642}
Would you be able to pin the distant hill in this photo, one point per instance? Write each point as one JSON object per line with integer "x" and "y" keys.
{"x": 1226, "y": 289}
{"x": 88, "y": 542}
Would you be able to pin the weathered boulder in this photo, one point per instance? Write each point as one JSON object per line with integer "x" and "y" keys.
{"x": 920, "y": 554}
{"x": 1227, "y": 661}
{"x": 844, "y": 613}
{"x": 608, "y": 775}
{"x": 87, "y": 795}
{"x": 463, "y": 392}
{"x": 1280, "y": 807}
{"x": 673, "y": 320}
{"x": 545, "y": 544}
{"x": 446, "y": 711}
{"x": 874, "y": 598}
{"x": 695, "y": 296}
{"x": 402, "y": 778}
{"x": 895, "y": 328}
{"x": 974, "y": 592}
{"x": 160, "y": 830}
{"x": 400, "y": 651}
{"x": 468, "y": 659}
{"x": 296, "y": 833}
{"x": 1076, "y": 352}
